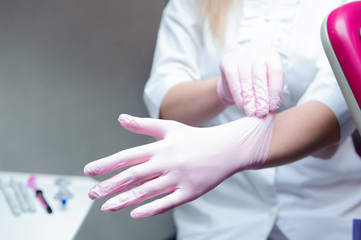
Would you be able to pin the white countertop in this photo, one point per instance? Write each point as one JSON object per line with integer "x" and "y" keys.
{"x": 62, "y": 223}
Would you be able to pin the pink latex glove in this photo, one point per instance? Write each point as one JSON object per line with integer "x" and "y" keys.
{"x": 252, "y": 77}
{"x": 187, "y": 162}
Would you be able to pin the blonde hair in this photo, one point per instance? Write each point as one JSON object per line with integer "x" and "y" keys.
{"x": 217, "y": 13}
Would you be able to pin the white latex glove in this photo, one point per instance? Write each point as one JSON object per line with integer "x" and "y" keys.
{"x": 187, "y": 162}
{"x": 252, "y": 77}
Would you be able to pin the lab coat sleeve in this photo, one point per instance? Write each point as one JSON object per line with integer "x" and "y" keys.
{"x": 176, "y": 51}
{"x": 326, "y": 90}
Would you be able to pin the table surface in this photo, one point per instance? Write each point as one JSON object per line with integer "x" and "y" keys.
{"x": 62, "y": 223}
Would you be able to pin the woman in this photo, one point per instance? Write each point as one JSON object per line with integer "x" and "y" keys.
{"x": 305, "y": 199}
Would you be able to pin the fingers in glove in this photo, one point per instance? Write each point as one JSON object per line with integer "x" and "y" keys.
{"x": 260, "y": 88}
{"x": 276, "y": 80}
{"x": 122, "y": 159}
{"x": 147, "y": 126}
{"x": 160, "y": 205}
{"x": 248, "y": 96}
{"x": 230, "y": 75}
{"x": 148, "y": 190}
{"x": 125, "y": 179}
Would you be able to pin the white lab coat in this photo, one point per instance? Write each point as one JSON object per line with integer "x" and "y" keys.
{"x": 309, "y": 199}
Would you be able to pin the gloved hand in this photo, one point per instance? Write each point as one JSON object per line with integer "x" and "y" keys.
{"x": 187, "y": 162}
{"x": 252, "y": 77}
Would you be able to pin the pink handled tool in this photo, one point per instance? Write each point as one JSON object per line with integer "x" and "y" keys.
{"x": 39, "y": 193}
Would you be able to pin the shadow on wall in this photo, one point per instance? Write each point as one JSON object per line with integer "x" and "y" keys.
{"x": 67, "y": 70}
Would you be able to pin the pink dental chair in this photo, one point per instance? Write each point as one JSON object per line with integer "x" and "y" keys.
{"x": 341, "y": 39}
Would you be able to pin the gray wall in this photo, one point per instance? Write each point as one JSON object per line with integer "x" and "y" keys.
{"x": 67, "y": 70}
